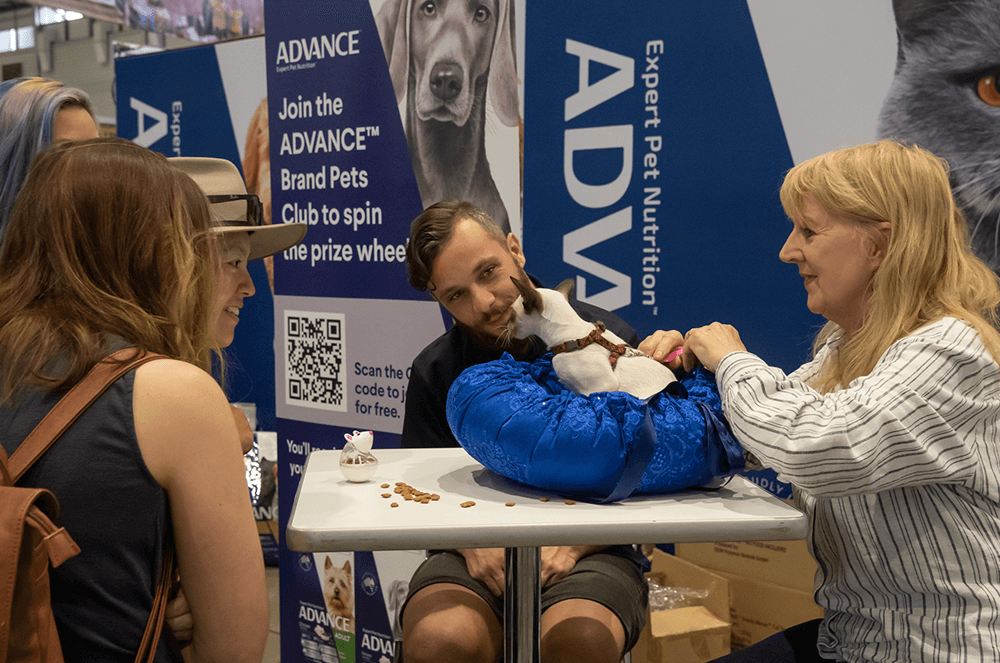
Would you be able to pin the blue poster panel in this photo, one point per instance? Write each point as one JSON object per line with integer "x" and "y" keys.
{"x": 653, "y": 154}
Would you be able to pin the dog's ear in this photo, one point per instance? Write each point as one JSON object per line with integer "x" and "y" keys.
{"x": 567, "y": 288}
{"x": 530, "y": 297}
{"x": 393, "y": 28}
{"x": 503, "y": 67}
{"x": 328, "y": 564}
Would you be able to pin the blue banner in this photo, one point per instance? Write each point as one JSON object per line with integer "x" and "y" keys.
{"x": 653, "y": 155}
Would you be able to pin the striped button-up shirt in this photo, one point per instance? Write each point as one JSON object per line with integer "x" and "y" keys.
{"x": 899, "y": 474}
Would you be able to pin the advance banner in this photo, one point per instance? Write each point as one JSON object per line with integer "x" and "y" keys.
{"x": 653, "y": 155}
{"x": 347, "y": 323}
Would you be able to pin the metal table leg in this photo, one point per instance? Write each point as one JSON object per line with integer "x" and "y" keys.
{"x": 522, "y": 605}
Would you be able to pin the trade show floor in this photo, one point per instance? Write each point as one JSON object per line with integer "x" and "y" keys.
{"x": 272, "y": 654}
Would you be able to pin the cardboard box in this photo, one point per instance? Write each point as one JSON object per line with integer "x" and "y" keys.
{"x": 692, "y": 634}
{"x": 759, "y": 609}
{"x": 784, "y": 563}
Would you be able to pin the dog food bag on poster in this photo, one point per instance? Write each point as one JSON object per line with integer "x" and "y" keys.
{"x": 262, "y": 480}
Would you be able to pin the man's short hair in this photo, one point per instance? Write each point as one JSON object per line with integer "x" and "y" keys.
{"x": 430, "y": 231}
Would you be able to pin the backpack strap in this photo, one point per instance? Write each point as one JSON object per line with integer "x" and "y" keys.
{"x": 151, "y": 636}
{"x": 71, "y": 406}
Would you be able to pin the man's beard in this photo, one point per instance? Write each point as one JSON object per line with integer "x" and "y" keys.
{"x": 519, "y": 348}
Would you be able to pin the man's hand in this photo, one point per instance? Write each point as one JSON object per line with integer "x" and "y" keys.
{"x": 660, "y": 344}
{"x": 558, "y": 561}
{"x": 486, "y": 565}
{"x": 709, "y": 345}
{"x": 178, "y": 617}
{"x": 243, "y": 428}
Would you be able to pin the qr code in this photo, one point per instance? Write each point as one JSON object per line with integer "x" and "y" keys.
{"x": 314, "y": 359}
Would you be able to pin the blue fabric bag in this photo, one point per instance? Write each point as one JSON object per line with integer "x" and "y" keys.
{"x": 519, "y": 421}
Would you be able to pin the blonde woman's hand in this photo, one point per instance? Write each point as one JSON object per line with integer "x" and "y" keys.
{"x": 708, "y": 345}
{"x": 661, "y": 344}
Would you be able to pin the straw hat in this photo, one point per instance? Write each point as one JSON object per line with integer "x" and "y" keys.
{"x": 234, "y": 210}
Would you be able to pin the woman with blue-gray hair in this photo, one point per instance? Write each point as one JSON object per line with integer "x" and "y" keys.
{"x": 34, "y": 113}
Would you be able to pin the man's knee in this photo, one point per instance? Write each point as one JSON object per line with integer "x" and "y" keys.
{"x": 438, "y": 641}
{"x": 580, "y": 639}
{"x": 449, "y": 623}
{"x": 583, "y": 631}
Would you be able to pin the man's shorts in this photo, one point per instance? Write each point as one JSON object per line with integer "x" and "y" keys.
{"x": 614, "y": 581}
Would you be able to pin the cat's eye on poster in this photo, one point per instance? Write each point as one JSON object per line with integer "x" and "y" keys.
{"x": 986, "y": 88}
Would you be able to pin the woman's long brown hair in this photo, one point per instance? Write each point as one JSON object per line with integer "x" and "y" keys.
{"x": 107, "y": 244}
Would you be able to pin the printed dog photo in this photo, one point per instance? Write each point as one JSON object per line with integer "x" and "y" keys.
{"x": 397, "y": 592}
{"x": 338, "y": 594}
{"x": 446, "y": 57}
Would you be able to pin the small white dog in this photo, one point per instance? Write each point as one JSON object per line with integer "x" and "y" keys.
{"x": 588, "y": 358}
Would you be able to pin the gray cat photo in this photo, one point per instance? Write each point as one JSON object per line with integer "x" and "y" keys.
{"x": 945, "y": 98}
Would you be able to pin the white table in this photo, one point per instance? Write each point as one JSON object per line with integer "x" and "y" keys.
{"x": 331, "y": 514}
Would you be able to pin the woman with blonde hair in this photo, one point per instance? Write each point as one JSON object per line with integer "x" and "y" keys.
{"x": 34, "y": 113}
{"x": 124, "y": 259}
{"x": 890, "y": 436}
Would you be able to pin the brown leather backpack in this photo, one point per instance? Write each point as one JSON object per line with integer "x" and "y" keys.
{"x": 30, "y": 541}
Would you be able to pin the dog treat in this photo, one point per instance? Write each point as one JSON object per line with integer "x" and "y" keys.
{"x": 386, "y": 494}
{"x": 543, "y": 499}
{"x": 569, "y": 501}
{"x": 411, "y": 494}
{"x": 393, "y": 504}
{"x": 509, "y": 504}
{"x": 466, "y": 505}
{"x": 385, "y": 485}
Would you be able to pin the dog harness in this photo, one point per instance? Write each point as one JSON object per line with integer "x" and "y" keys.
{"x": 597, "y": 336}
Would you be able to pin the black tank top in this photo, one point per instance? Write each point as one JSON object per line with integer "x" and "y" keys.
{"x": 115, "y": 511}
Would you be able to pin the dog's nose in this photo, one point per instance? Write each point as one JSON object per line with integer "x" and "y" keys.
{"x": 446, "y": 80}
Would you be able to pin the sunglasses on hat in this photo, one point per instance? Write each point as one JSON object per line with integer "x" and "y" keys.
{"x": 255, "y": 209}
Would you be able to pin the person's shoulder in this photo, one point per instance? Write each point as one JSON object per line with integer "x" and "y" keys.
{"x": 169, "y": 373}
{"x": 446, "y": 349}
{"x": 947, "y": 338}
{"x": 444, "y": 344}
{"x": 945, "y": 330}
{"x": 171, "y": 383}
{"x": 177, "y": 407}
